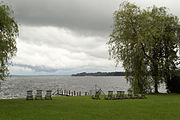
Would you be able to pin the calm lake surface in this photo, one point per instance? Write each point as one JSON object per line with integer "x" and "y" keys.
{"x": 16, "y": 87}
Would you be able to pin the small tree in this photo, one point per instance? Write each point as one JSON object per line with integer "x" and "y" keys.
{"x": 8, "y": 34}
{"x": 147, "y": 43}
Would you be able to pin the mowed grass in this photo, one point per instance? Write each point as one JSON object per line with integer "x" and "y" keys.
{"x": 155, "y": 107}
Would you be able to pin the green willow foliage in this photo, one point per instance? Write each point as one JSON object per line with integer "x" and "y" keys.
{"x": 146, "y": 41}
{"x": 8, "y": 33}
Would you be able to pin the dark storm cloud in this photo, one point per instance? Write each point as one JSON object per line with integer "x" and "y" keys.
{"x": 88, "y": 15}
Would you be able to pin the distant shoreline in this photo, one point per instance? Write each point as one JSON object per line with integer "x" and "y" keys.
{"x": 100, "y": 74}
{"x": 77, "y": 74}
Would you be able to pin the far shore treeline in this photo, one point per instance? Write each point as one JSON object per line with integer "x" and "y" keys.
{"x": 100, "y": 74}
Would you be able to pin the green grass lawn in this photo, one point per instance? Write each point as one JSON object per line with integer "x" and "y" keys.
{"x": 155, "y": 107}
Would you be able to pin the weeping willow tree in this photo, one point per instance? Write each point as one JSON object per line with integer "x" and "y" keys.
{"x": 146, "y": 41}
{"x": 8, "y": 34}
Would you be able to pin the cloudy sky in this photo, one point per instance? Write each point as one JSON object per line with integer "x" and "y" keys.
{"x": 68, "y": 36}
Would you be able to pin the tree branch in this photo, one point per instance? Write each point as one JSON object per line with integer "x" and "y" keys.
{"x": 145, "y": 52}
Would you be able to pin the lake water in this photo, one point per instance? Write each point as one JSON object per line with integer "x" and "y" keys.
{"x": 16, "y": 87}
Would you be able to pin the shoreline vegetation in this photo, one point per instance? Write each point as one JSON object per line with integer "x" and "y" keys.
{"x": 155, "y": 107}
{"x": 100, "y": 74}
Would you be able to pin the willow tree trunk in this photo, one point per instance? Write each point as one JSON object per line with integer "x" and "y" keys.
{"x": 155, "y": 76}
{"x": 156, "y": 87}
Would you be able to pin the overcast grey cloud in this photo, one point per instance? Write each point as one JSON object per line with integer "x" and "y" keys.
{"x": 68, "y": 36}
{"x": 81, "y": 15}
{"x": 65, "y": 39}
{"x": 93, "y": 15}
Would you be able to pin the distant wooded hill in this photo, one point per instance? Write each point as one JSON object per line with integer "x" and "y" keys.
{"x": 100, "y": 74}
